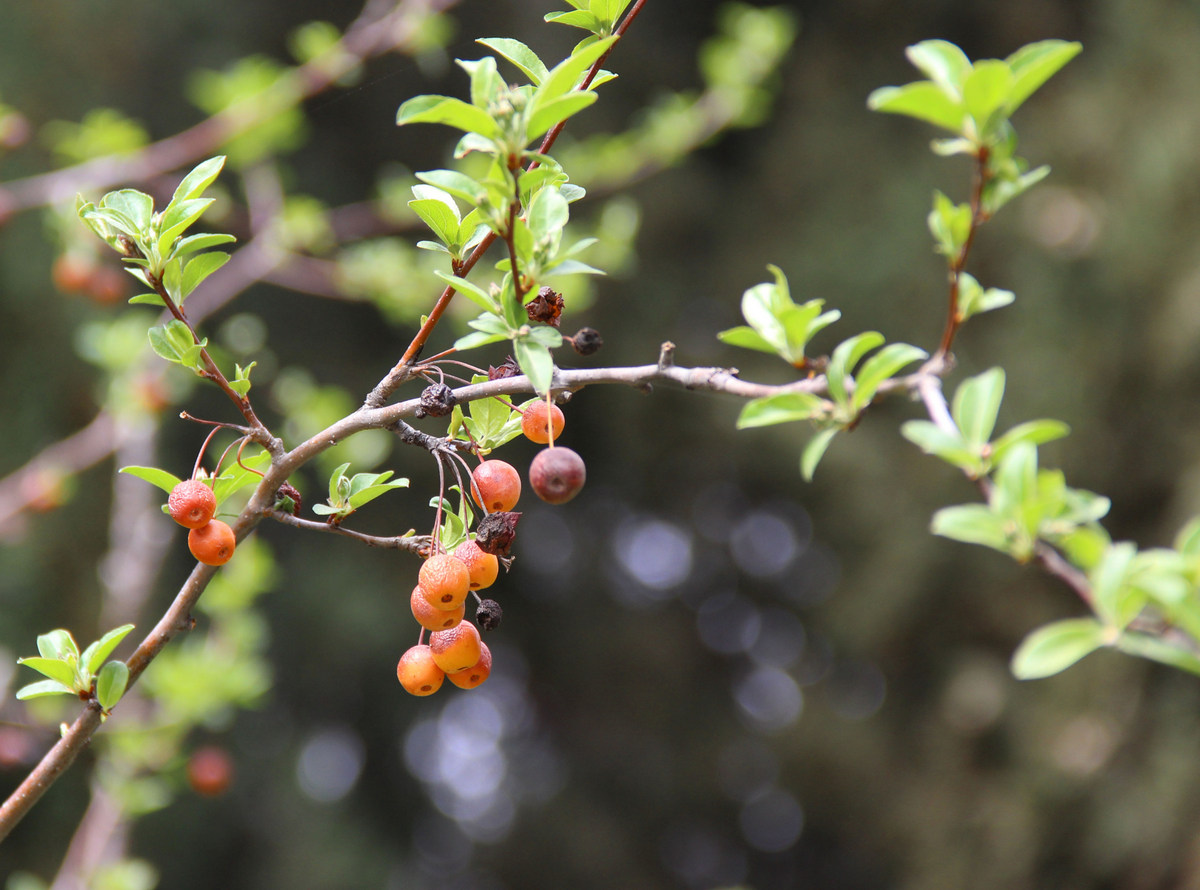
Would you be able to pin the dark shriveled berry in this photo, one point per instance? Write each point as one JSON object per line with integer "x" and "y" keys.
{"x": 288, "y": 500}
{"x": 557, "y": 474}
{"x": 437, "y": 400}
{"x": 586, "y": 341}
{"x": 488, "y": 615}
{"x": 495, "y": 532}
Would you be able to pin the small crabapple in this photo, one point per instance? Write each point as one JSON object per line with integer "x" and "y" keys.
{"x": 417, "y": 673}
{"x": 192, "y": 503}
{"x": 430, "y": 616}
{"x": 477, "y": 673}
{"x": 212, "y": 544}
{"x": 483, "y": 567}
{"x": 557, "y": 474}
{"x": 444, "y": 581}
{"x": 456, "y": 649}
{"x": 497, "y": 486}
{"x": 542, "y": 422}
{"x": 210, "y": 771}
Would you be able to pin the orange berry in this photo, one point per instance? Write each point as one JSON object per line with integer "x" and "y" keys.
{"x": 417, "y": 673}
{"x": 541, "y": 422}
{"x": 499, "y": 485}
{"x": 430, "y": 616}
{"x": 192, "y": 503}
{"x": 444, "y": 581}
{"x": 476, "y": 674}
{"x": 212, "y": 544}
{"x": 482, "y": 567}
{"x": 456, "y": 649}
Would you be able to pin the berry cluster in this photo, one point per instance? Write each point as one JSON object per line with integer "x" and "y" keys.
{"x": 455, "y": 650}
{"x": 192, "y": 504}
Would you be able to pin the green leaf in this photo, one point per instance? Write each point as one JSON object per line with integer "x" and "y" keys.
{"x": 372, "y": 486}
{"x": 471, "y": 291}
{"x": 1158, "y": 650}
{"x": 782, "y": 408}
{"x": 548, "y": 214}
{"x": 56, "y": 669}
{"x": 986, "y": 93}
{"x": 923, "y": 100}
{"x": 486, "y": 84}
{"x": 1032, "y": 432}
{"x": 814, "y": 451}
{"x": 164, "y": 480}
{"x": 973, "y": 299}
{"x": 173, "y": 342}
{"x": 880, "y": 367}
{"x": 976, "y": 405}
{"x": 747, "y": 338}
{"x": 96, "y": 654}
{"x": 576, "y": 19}
{"x": 536, "y": 363}
{"x": 237, "y": 476}
{"x": 1055, "y": 647}
{"x": 449, "y": 111}
{"x": 950, "y": 225}
{"x": 561, "y": 79}
{"x": 57, "y": 644}
{"x": 553, "y": 112}
{"x": 200, "y": 241}
{"x": 520, "y": 55}
{"x": 199, "y": 269}
{"x": 111, "y": 683}
{"x": 460, "y": 185}
{"x": 1034, "y": 64}
{"x": 1109, "y": 583}
{"x": 43, "y": 688}
{"x": 844, "y": 359}
{"x": 942, "y": 62}
{"x": 200, "y": 178}
{"x": 137, "y": 207}
{"x": 932, "y": 439}
{"x": 148, "y": 300}
{"x": 177, "y": 218}
{"x": 971, "y": 524}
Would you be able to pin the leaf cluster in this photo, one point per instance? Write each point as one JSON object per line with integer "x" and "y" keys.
{"x": 83, "y": 674}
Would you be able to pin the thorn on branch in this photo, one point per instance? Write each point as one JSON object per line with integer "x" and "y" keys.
{"x": 666, "y": 356}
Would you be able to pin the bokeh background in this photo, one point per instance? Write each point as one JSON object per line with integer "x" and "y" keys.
{"x": 710, "y": 674}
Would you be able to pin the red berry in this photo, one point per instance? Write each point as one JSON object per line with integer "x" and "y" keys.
{"x": 72, "y": 273}
{"x": 212, "y": 544}
{"x": 541, "y": 422}
{"x": 417, "y": 673}
{"x": 192, "y": 503}
{"x": 209, "y": 771}
{"x": 498, "y": 484}
{"x": 557, "y": 474}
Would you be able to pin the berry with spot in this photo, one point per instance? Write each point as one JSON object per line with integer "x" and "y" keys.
{"x": 542, "y": 422}
{"x": 430, "y": 616}
{"x": 192, "y": 503}
{"x": 497, "y": 486}
{"x": 212, "y": 544}
{"x": 483, "y": 567}
{"x": 477, "y": 673}
{"x": 444, "y": 581}
{"x": 557, "y": 474}
{"x": 417, "y": 672}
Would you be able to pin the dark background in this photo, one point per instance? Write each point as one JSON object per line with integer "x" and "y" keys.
{"x": 710, "y": 673}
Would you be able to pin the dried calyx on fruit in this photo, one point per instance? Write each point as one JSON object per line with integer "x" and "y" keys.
{"x": 437, "y": 400}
